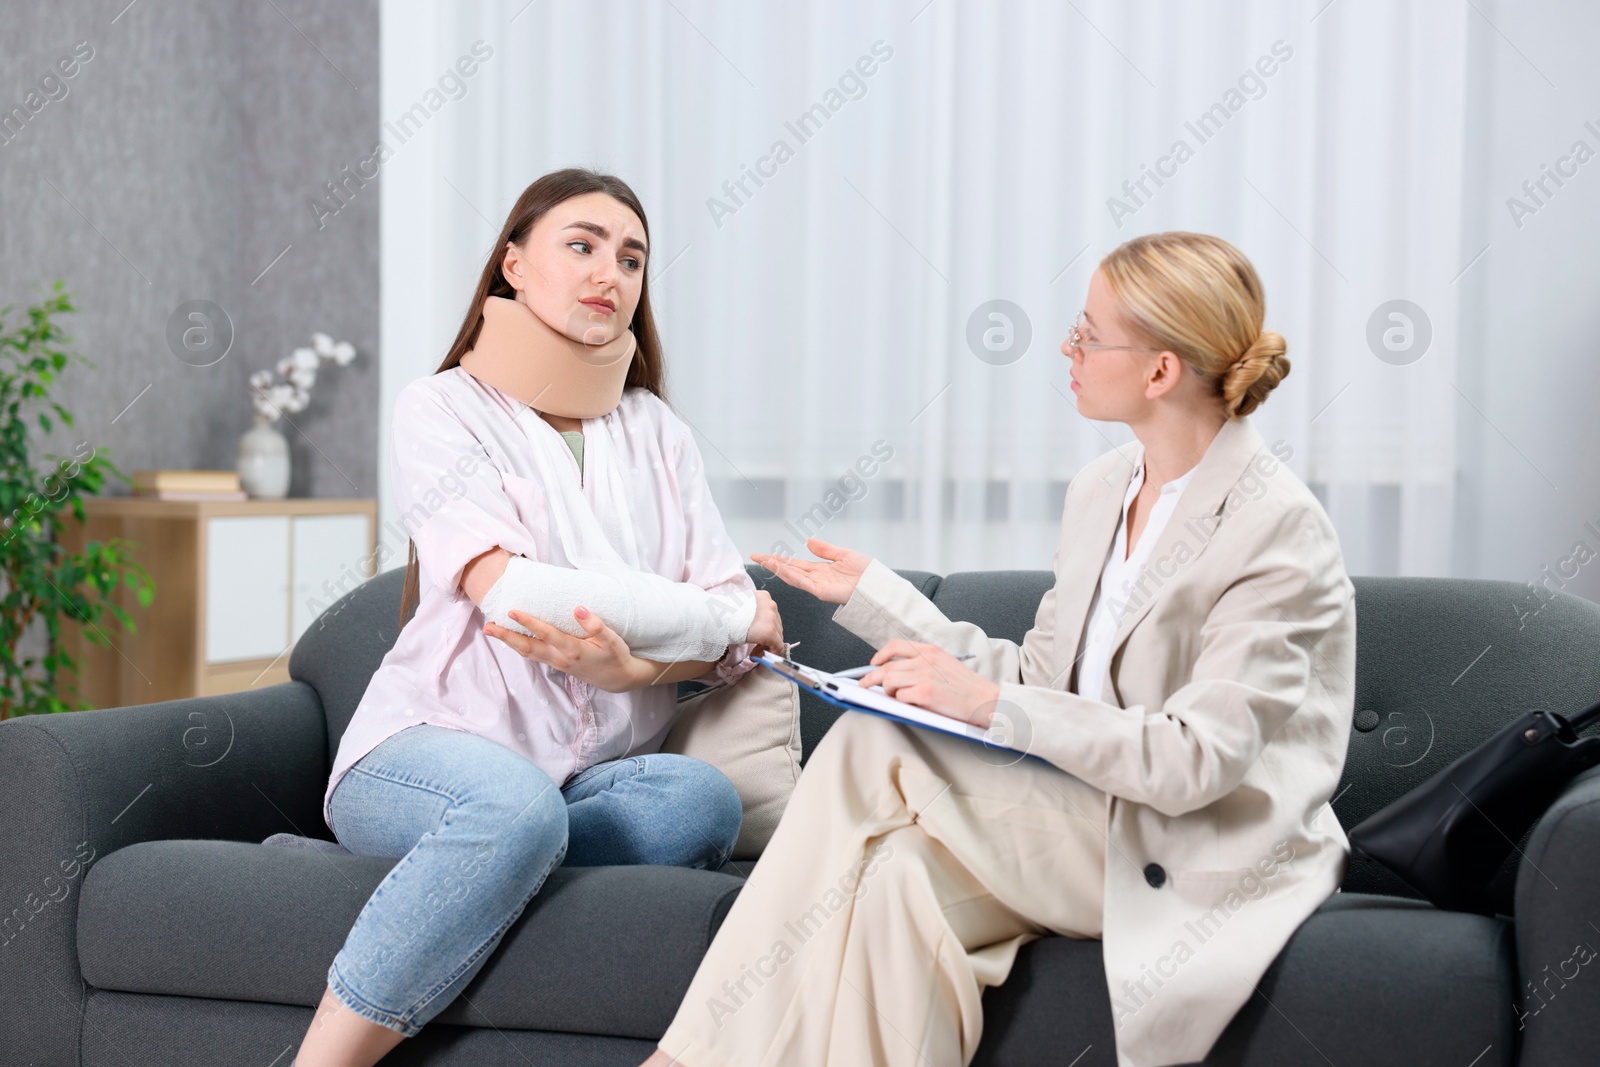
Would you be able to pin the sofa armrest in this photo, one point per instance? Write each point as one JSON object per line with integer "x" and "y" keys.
{"x": 1558, "y": 930}
{"x": 79, "y": 785}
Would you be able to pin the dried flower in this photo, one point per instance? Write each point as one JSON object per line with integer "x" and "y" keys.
{"x": 299, "y": 369}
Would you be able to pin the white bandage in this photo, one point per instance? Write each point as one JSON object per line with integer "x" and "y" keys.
{"x": 657, "y": 618}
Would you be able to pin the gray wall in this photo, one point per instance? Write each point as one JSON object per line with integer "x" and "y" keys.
{"x": 181, "y": 161}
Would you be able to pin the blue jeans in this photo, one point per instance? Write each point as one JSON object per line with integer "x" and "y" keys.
{"x": 477, "y": 828}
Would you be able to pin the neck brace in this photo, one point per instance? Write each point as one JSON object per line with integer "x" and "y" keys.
{"x": 519, "y": 354}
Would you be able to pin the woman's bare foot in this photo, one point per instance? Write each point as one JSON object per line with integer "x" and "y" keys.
{"x": 338, "y": 1037}
{"x": 660, "y": 1059}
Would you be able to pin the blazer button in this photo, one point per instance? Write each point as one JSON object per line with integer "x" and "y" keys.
{"x": 1155, "y": 875}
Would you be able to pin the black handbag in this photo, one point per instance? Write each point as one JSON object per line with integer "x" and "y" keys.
{"x": 1448, "y": 837}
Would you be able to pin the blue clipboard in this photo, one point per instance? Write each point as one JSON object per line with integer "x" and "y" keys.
{"x": 816, "y": 690}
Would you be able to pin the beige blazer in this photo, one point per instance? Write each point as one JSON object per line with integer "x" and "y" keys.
{"x": 1227, "y": 712}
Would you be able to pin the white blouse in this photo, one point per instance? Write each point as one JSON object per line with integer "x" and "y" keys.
{"x": 473, "y": 469}
{"x": 1105, "y": 612}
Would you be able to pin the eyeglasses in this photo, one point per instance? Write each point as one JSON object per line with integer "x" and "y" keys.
{"x": 1075, "y": 340}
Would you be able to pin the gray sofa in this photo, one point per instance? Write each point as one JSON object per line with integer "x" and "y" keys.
{"x": 143, "y": 923}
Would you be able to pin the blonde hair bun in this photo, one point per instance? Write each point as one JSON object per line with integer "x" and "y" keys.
{"x": 1255, "y": 374}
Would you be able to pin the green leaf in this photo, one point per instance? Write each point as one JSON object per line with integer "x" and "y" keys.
{"x": 46, "y": 583}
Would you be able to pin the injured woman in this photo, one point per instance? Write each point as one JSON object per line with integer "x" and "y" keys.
{"x": 568, "y": 567}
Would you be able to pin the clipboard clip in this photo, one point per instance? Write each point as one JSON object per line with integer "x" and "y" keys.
{"x": 791, "y": 670}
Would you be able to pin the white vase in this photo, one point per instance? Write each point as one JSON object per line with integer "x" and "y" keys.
{"x": 264, "y": 461}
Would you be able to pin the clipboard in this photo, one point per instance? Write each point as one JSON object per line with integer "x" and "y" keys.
{"x": 848, "y": 694}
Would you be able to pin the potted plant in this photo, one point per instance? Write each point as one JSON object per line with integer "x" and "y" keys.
{"x": 42, "y": 581}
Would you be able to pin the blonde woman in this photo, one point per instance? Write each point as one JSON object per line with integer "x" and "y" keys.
{"x": 1187, "y": 683}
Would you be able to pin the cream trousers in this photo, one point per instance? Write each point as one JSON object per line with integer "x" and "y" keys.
{"x": 908, "y": 869}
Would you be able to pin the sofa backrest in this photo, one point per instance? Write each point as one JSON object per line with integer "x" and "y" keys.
{"x": 1441, "y": 664}
{"x": 339, "y": 652}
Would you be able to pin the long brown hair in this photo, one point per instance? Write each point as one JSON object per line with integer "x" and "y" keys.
{"x": 646, "y": 371}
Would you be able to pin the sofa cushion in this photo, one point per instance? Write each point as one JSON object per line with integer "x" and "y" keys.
{"x": 750, "y": 731}
{"x": 1364, "y": 980}
{"x": 599, "y": 950}
{"x": 232, "y": 921}
{"x": 136, "y": 1030}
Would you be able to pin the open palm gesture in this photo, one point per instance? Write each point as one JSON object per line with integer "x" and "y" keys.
{"x": 832, "y": 580}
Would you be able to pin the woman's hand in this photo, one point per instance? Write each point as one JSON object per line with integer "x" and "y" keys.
{"x": 600, "y": 658}
{"x": 929, "y": 677}
{"x": 766, "y": 632}
{"x": 833, "y": 581}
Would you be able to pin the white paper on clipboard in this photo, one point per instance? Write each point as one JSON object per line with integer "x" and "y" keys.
{"x": 848, "y": 691}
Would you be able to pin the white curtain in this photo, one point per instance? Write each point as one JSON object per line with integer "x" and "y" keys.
{"x": 919, "y": 160}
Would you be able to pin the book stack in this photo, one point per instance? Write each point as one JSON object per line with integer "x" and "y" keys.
{"x": 187, "y": 485}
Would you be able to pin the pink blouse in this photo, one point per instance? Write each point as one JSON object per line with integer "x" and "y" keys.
{"x": 473, "y": 469}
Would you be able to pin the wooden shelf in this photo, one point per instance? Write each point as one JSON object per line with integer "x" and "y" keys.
{"x": 299, "y": 558}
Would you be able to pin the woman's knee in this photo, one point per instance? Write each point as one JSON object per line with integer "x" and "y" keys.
{"x": 520, "y": 811}
{"x": 724, "y": 815}
{"x": 712, "y": 806}
{"x": 851, "y": 734}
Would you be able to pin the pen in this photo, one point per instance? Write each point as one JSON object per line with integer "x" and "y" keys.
{"x": 862, "y": 672}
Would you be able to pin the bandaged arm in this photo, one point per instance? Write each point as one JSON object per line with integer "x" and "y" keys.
{"x": 657, "y": 618}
